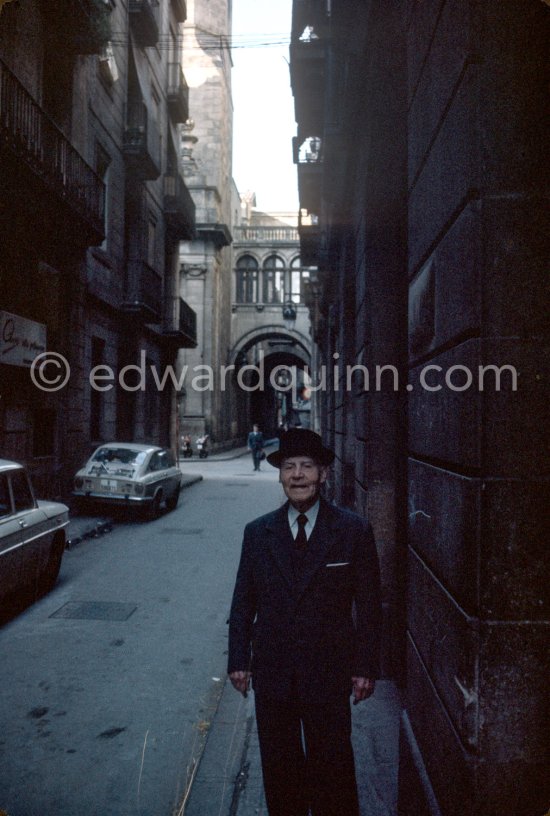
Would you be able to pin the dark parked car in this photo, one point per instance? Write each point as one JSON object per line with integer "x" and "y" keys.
{"x": 129, "y": 474}
{"x": 32, "y": 535}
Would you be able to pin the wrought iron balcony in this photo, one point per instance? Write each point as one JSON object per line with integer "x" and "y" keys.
{"x": 143, "y": 292}
{"x": 311, "y": 14}
{"x": 180, "y": 323}
{"x": 216, "y": 233}
{"x": 144, "y": 21}
{"x": 180, "y": 10}
{"x": 178, "y": 93}
{"x": 179, "y": 207}
{"x": 307, "y": 75}
{"x": 91, "y": 28}
{"x": 29, "y": 139}
{"x": 310, "y": 184}
{"x": 310, "y": 238}
{"x": 142, "y": 143}
{"x": 78, "y": 26}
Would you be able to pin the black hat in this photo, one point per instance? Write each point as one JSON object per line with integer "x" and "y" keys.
{"x": 301, "y": 442}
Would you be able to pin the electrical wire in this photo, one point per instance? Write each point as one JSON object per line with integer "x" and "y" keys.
{"x": 213, "y": 42}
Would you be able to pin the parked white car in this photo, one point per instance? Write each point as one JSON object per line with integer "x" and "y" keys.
{"x": 32, "y": 535}
{"x": 129, "y": 474}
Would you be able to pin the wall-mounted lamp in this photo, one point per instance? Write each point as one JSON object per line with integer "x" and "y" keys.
{"x": 289, "y": 315}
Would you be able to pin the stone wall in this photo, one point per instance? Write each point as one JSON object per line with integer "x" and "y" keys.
{"x": 206, "y": 262}
{"x": 478, "y": 607}
{"x": 364, "y": 275}
{"x": 432, "y": 253}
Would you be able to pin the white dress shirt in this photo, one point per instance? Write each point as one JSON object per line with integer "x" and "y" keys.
{"x": 311, "y": 519}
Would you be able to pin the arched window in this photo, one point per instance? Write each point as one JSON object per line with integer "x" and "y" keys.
{"x": 247, "y": 279}
{"x": 274, "y": 280}
{"x": 298, "y": 277}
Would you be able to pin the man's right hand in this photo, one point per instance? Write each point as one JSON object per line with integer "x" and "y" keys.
{"x": 240, "y": 681}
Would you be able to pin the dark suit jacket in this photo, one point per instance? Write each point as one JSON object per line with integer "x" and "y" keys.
{"x": 255, "y": 441}
{"x": 318, "y": 629}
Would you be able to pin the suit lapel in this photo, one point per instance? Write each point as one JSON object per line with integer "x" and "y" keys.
{"x": 279, "y": 540}
{"x": 321, "y": 539}
{"x": 280, "y": 543}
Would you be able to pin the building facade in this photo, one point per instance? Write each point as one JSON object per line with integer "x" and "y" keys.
{"x": 95, "y": 206}
{"x": 238, "y": 320}
{"x": 205, "y": 262}
{"x": 270, "y": 322}
{"x": 419, "y": 147}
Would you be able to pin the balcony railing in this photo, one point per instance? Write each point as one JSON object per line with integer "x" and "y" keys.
{"x": 142, "y": 143}
{"x": 143, "y": 295}
{"x": 269, "y": 235}
{"x": 307, "y": 73}
{"x": 310, "y": 184}
{"x": 78, "y": 26}
{"x": 31, "y": 136}
{"x": 309, "y": 14}
{"x": 180, "y": 323}
{"x": 179, "y": 207}
{"x": 178, "y": 93}
{"x": 144, "y": 21}
{"x": 91, "y": 28}
{"x": 310, "y": 238}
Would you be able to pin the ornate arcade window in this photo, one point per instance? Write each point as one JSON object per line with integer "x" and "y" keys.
{"x": 247, "y": 279}
{"x": 273, "y": 280}
{"x": 298, "y": 277}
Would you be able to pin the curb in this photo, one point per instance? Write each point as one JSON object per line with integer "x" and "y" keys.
{"x": 236, "y": 453}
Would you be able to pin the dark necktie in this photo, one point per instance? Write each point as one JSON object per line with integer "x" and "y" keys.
{"x": 300, "y": 542}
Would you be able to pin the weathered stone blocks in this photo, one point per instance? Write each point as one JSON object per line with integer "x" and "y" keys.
{"x": 488, "y": 275}
{"x": 485, "y": 539}
{"x": 450, "y": 52}
{"x": 488, "y": 427}
{"x": 506, "y": 775}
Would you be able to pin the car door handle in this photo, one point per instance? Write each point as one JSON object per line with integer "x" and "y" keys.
{"x": 22, "y": 523}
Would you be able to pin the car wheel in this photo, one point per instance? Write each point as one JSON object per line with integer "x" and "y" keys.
{"x": 154, "y": 507}
{"x": 54, "y": 564}
{"x": 172, "y": 502}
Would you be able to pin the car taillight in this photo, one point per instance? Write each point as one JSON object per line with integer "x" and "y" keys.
{"x": 78, "y": 483}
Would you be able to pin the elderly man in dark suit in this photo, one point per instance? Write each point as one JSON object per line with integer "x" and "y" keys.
{"x": 305, "y": 626}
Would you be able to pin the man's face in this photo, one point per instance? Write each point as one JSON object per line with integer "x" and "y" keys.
{"x": 301, "y": 478}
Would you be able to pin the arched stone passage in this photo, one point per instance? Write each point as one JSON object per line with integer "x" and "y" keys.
{"x": 262, "y": 358}
{"x": 275, "y": 336}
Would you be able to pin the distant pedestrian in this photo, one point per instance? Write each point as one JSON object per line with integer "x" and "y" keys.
{"x": 256, "y": 445}
{"x": 305, "y": 626}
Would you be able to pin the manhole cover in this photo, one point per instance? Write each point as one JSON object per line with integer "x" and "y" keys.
{"x": 95, "y": 610}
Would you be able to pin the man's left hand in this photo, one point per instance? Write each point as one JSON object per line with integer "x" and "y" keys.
{"x": 362, "y": 688}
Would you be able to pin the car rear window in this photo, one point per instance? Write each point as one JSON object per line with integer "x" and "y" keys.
{"x": 5, "y": 501}
{"x": 22, "y": 494}
{"x": 125, "y": 456}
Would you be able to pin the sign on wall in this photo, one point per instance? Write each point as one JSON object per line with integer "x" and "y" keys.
{"x": 21, "y": 340}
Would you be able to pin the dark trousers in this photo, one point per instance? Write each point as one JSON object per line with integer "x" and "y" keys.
{"x": 256, "y": 458}
{"x": 316, "y": 773}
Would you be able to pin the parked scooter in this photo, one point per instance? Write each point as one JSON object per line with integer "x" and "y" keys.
{"x": 186, "y": 447}
{"x": 202, "y": 446}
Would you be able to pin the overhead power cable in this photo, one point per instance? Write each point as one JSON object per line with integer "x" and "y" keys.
{"x": 211, "y": 42}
